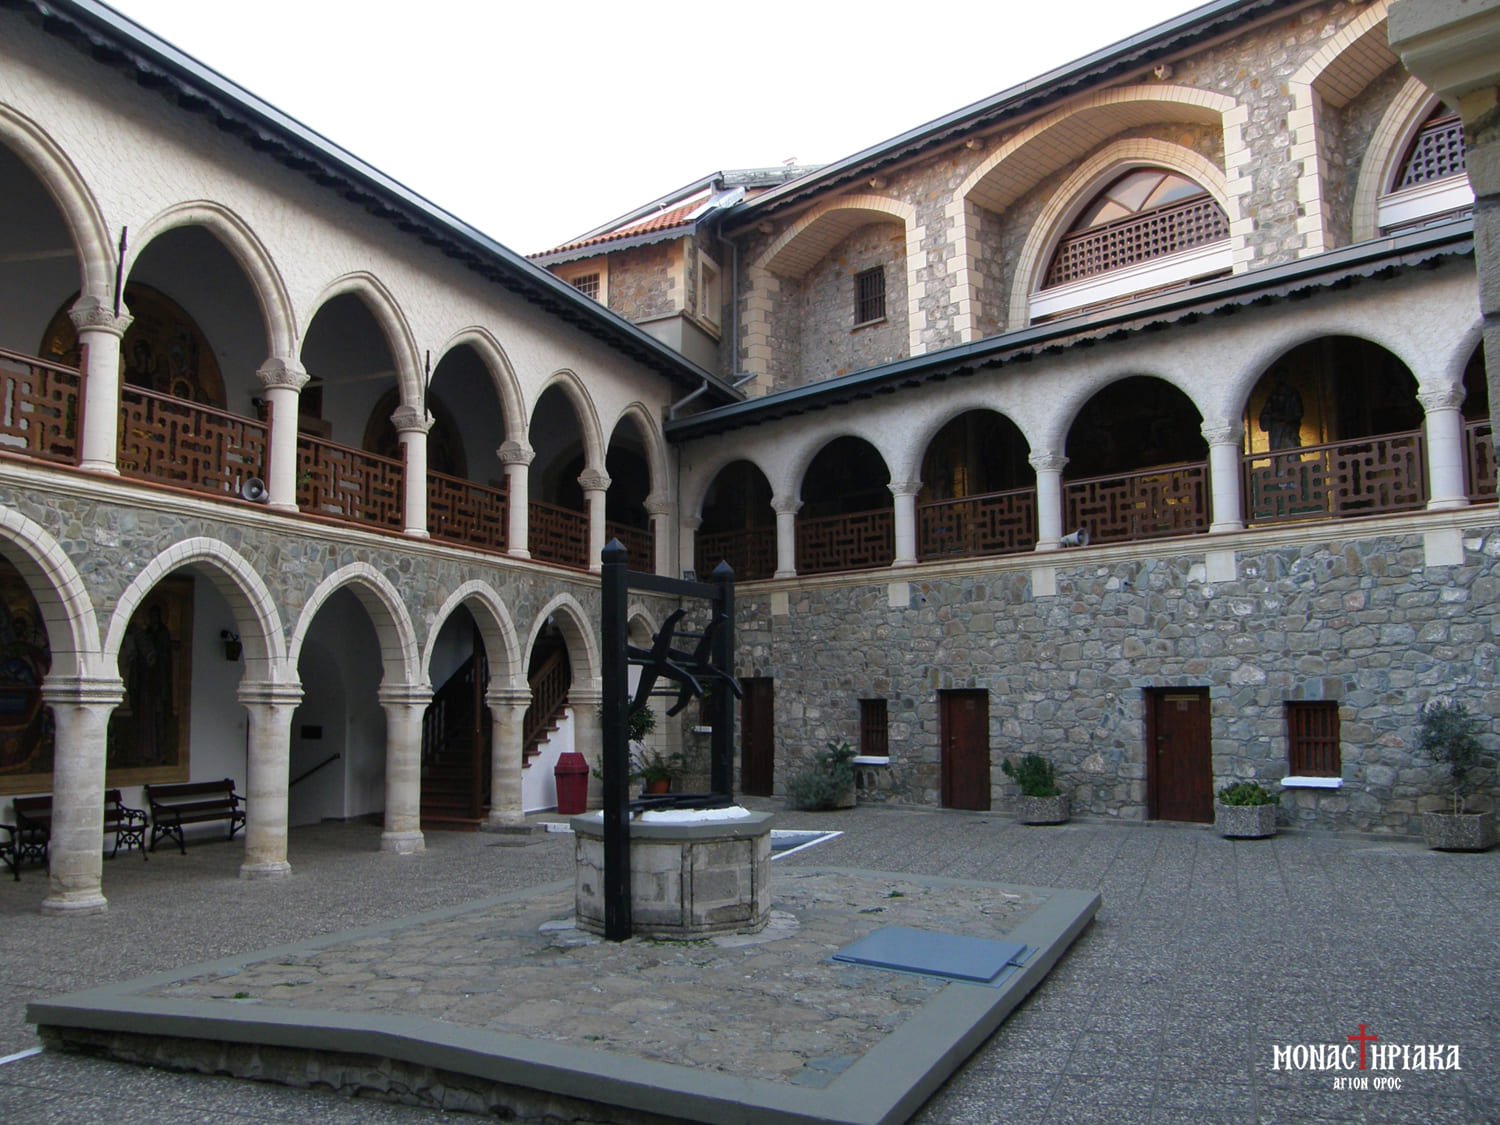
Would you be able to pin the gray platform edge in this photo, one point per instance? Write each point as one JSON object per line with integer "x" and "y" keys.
{"x": 887, "y": 1085}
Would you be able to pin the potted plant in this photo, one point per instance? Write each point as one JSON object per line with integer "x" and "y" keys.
{"x": 1449, "y": 735}
{"x": 656, "y": 769}
{"x": 1041, "y": 801}
{"x": 827, "y": 782}
{"x": 1245, "y": 810}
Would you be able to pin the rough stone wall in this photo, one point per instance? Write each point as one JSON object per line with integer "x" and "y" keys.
{"x": 1360, "y": 621}
{"x": 831, "y": 345}
{"x": 1352, "y": 127}
{"x": 641, "y": 282}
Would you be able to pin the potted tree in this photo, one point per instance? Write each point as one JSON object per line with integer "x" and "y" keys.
{"x": 1245, "y": 810}
{"x": 1449, "y": 735}
{"x": 1041, "y": 801}
{"x": 827, "y": 782}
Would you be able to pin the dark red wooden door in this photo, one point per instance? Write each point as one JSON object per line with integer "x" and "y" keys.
{"x": 965, "y": 733}
{"x": 757, "y": 736}
{"x": 1180, "y": 754}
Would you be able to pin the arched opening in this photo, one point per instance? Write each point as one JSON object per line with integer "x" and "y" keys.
{"x": 1430, "y": 182}
{"x": 739, "y": 525}
{"x": 27, "y": 731}
{"x": 847, "y": 520}
{"x": 557, "y": 517}
{"x": 1333, "y": 429}
{"x": 1479, "y": 438}
{"x": 351, "y": 373}
{"x": 467, "y": 499}
{"x": 1137, "y": 464}
{"x": 547, "y": 729}
{"x": 456, "y": 728}
{"x": 978, "y": 490}
{"x": 628, "y": 466}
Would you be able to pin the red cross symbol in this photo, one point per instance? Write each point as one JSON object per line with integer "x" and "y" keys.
{"x": 1363, "y": 1039}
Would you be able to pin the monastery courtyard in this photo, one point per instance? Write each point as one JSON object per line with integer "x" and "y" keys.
{"x": 1205, "y": 957}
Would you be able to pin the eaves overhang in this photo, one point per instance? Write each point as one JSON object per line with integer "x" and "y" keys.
{"x": 1190, "y": 30}
{"x": 113, "y": 40}
{"x": 1380, "y": 258}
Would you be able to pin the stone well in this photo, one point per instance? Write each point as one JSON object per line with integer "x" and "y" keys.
{"x": 687, "y": 880}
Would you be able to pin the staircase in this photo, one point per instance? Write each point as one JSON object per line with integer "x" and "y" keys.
{"x": 456, "y": 750}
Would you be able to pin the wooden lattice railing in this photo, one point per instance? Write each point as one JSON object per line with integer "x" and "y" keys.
{"x": 460, "y": 511}
{"x": 348, "y": 484}
{"x": 993, "y": 523}
{"x": 750, "y": 552}
{"x": 175, "y": 441}
{"x": 549, "y": 695}
{"x": 40, "y": 404}
{"x": 1479, "y": 461}
{"x": 859, "y": 541}
{"x": 639, "y": 544}
{"x": 1151, "y": 504}
{"x": 1168, "y": 230}
{"x": 1337, "y": 480}
{"x": 557, "y": 535}
{"x": 1437, "y": 153}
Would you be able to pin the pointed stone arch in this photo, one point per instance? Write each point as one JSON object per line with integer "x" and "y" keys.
{"x": 507, "y": 669}
{"x": 382, "y": 305}
{"x": 1383, "y": 155}
{"x": 656, "y": 447}
{"x": 387, "y": 613}
{"x": 704, "y": 475}
{"x": 573, "y": 388}
{"x": 507, "y": 386}
{"x": 573, "y": 621}
{"x": 249, "y": 253}
{"x": 66, "y": 608}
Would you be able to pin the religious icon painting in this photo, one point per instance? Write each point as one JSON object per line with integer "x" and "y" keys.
{"x": 148, "y": 733}
{"x": 26, "y": 728}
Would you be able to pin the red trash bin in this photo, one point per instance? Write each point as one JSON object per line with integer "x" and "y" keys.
{"x": 572, "y": 776}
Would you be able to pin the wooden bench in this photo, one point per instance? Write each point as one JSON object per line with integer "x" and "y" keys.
{"x": 193, "y": 802}
{"x": 32, "y": 833}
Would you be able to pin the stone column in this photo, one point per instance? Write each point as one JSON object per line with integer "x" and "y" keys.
{"x": 507, "y": 713}
{"x": 595, "y": 484}
{"x": 1048, "y": 464}
{"x": 80, "y": 710}
{"x": 283, "y": 381}
{"x": 588, "y": 734}
{"x": 905, "y": 493}
{"x": 1454, "y": 46}
{"x": 786, "y": 508}
{"x": 269, "y": 706}
{"x": 1224, "y": 440}
{"x": 517, "y": 457}
{"x": 1444, "y": 427}
{"x": 403, "y": 705}
{"x": 659, "y": 507}
{"x": 687, "y": 544}
{"x": 411, "y": 430}
{"x": 99, "y": 334}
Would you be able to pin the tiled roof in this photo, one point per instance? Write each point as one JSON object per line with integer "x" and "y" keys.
{"x": 654, "y": 223}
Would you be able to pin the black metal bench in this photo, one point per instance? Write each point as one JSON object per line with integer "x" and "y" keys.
{"x": 193, "y": 802}
{"x": 8, "y": 850}
{"x": 32, "y": 834}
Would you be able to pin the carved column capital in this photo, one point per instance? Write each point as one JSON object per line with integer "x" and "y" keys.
{"x": 1048, "y": 460}
{"x": 905, "y": 487}
{"x": 692, "y": 523}
{"x": 515, "y": 453}
{"x": 786, "y": 505}
{"x": 91, "y": 314}
{"x": 404, "y": 695}
{"x": 1221, "y": 431}
{"x": 658, "y": 504}
{"x": 593, "y": 480}
{"x": 410, "y": 420}
{"x": 278, "y": 372}
{"x": 269, "y": 692}
{"x": 1433, "y": 399}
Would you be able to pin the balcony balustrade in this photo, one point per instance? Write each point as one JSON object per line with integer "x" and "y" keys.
{"x": 349, "y": 485}
{"x": 557, "y": 535}
{"x": 993, "y": 523}
{"x": 859, "y": 541}
{"x": 186, "y": 444}
{"x": 40, "y": 403}
{"x": 460, "y": 511}
{"x": 1338, "y": 480}
{"x": 639, "y": 544}
{"x": 1479, "y": 461}
{"x": 750, "y": 552}
{"x": 1154, "y": 503}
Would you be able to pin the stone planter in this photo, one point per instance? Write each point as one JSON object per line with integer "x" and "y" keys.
{"x": 1042, "y": 810}
{"x": 1459, "y": 832}
{"x": 1245, "y": 822}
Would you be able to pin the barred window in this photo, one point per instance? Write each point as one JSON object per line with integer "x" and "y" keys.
{"x": 1312, "y": 738}
{"x": 869, "y": 295}
{"x": 587, "y": 284}
{"x": 873, "y": 740}
{"x": 1436, "y": 152}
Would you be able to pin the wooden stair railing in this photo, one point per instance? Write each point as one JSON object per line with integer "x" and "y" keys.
{"x": 549, "y": 698}
{"x": 456, "y": 731}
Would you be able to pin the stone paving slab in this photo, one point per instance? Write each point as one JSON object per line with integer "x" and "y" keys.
{"x": 472, "y": 1007}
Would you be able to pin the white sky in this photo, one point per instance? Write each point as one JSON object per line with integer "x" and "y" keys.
{"x": 535, "y": 124}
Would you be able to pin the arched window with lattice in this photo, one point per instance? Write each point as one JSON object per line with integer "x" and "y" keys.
{"x": 1431, "y": 182}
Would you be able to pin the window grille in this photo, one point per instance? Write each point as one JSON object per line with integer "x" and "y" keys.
{"x": 1436, "y": 153}
{"x": 1312, "y": 735}
{"x": 873, "y": 739}
{"x": 587, "y": 284}
{"x": 1139, "y": 238}
{"x": 869, "y": 295}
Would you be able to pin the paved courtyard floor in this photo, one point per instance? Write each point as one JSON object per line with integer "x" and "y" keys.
{"x": 1206, "y": 956}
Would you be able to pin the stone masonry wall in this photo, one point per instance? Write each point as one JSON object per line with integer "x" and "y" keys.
{"x": 640, "y": 283}
{"x": 831, "y": 344}
{"x": 1359, "y": 621}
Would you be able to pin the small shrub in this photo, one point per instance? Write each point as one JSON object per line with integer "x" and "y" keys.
{"x": 1449, "y": 735}
{"x": 1247, "y": 793}
{"x": 824, "y": 783}
{"x": 1034, "y": 775}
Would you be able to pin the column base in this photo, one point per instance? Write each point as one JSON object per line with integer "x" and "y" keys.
{"x": 76, "y": 902}
{"x": 103, "y": 468}
{"x": 403, "y": 843}
{"x": 499, "y": 821}
{"x": 276, "y": 870}
{"x": 1448, "y": 505}
{"x": 785, "y": 574}
{"x": 1222, "y": 528}
{"x": 900, "y": 563}
{"x": 519, "y": 553}
{"x": 416, "y": 533}
{"x": 1049, "y": 545}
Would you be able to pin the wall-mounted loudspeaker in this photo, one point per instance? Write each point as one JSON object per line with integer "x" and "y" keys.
{"x": 1079, "y": 538}
{"x": 254, "y": 489}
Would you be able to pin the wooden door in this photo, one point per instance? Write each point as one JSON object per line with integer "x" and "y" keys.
{"x": 1179, "y": 754}
{"x": 757, "y": 736}
{"x": 965, "y": 734}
